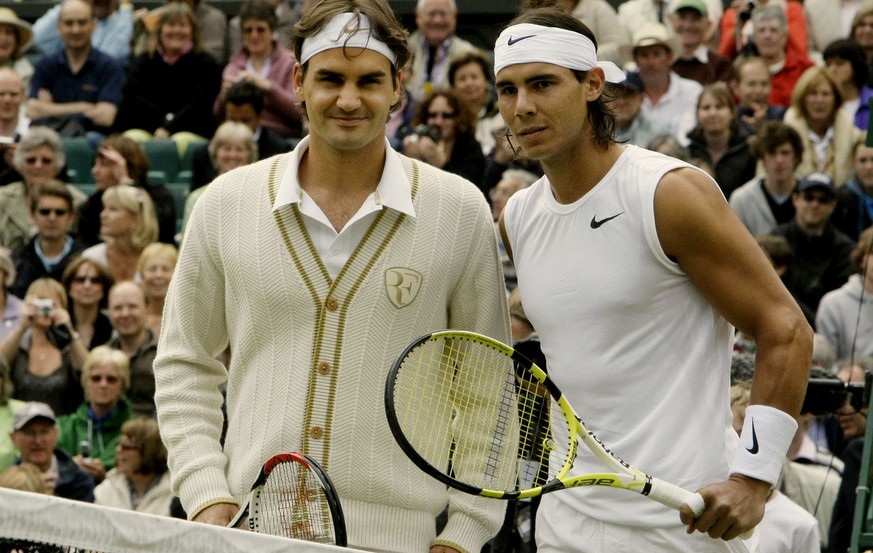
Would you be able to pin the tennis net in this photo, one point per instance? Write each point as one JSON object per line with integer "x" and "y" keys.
{"x": 33, "y": 523}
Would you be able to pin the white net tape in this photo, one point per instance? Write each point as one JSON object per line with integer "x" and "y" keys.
{"x": 61, "y": 525}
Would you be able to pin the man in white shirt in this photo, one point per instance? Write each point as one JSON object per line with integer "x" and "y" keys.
{"x": 669, "y": 100}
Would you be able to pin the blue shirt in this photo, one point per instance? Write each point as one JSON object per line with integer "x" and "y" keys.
{"x": 101, "y": 79}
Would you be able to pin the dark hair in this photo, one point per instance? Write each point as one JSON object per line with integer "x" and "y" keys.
{"x": 473, "y": 56}
{"x": 52, "y": 188}
{"x": 245, "y": 92}
{"x": 599, "y": 115}
{"x": 465, "y": 120}
{"x": 774, "y": 134}
{"x": 853, "y": 53}
{"x": 103, "y": 276}
{"x": 135, "y": 157}
{"x": 777, "y": 248}
{"x": 146, "y": 436}
{"x": 383, "y": 22}
{"x": 258, "y": 10}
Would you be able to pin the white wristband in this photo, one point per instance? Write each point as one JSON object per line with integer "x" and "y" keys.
{"x": 767, "y": 433}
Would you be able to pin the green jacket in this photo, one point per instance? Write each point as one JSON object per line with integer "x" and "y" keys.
{"x": 101, "y": 435}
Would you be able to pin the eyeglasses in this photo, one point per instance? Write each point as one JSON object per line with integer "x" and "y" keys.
{"x": 442, "y": 114}
{"x": 127, "y": 447}
{"x": 43, "y": 160}
{"x": 109, "y": 378}
{"x": 823, "y": 199}
{"x": 46, "y": 211}
{"x": 84, "y": 279}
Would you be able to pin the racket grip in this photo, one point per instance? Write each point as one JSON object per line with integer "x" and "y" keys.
{"x": 674, "y": 496}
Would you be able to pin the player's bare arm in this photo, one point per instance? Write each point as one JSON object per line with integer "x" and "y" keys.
{"x": 697, "y": 228}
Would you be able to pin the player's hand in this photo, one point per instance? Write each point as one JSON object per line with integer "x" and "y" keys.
{"x": 443, "y": 549}
{"x": 219, "y": 514}
{"x": 732, "y": 507}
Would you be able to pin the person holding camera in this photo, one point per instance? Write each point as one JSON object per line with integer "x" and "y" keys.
{"x": 443, "y": 136}
{"x": 736, "y": 28}
{"x": 43, "y": 352}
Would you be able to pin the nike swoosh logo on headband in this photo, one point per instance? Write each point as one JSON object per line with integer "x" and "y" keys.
{"x": 512, "y": 41}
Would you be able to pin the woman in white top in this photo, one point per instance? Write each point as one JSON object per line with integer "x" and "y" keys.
{"x": 140, "y": 480}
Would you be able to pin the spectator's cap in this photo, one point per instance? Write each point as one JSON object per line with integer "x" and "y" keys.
{"x": 22, "y": 28}
{"x": 30, "y": 412}
{"x": 816, "y": 181}
{"x": 696, "y": 5}
{"x": 651, "y": 33}
{"x": 633, "y": 82}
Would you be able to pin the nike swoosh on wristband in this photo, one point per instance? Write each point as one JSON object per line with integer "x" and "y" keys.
{"x": 595, "y": 224}
{"x": 754, "y": 449}
{"x": 512, "y": 41}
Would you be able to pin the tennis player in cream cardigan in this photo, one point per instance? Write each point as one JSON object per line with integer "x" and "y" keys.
{"x": 317, "y": 267}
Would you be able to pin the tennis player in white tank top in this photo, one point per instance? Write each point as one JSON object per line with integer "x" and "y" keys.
{"x": 634, "y": 272}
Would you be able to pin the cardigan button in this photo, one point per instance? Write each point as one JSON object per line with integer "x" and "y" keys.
{"x": 324, "y": 368}
{"x": 332, "y": 304}
{"x": 316, "y": 432}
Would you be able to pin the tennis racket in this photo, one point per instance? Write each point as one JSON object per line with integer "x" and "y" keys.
{"x": 294, "y": 498}
{"x": 483, "y": 419}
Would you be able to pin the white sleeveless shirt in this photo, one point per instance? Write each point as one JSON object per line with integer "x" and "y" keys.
{"x": 636, "y": 348}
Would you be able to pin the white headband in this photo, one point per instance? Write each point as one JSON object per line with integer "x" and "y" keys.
{"x": 347, "y": 29}
{"x": 529, "y": 43}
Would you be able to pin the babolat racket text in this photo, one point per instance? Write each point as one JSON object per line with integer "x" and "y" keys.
{"x": 480, "y": 417}
{"x": 293, "y": 497}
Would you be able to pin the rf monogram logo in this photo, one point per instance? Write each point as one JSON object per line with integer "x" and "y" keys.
{"x": 402, "y": 285}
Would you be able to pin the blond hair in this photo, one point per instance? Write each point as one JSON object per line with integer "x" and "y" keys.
{"x": 136, "y": 201}
{"x": 102, "y": 356}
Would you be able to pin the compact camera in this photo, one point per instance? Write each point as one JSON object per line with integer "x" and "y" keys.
{"x": 431, "y": 131}
{"x": 85, "y": 449}
{"x": 827, "y": 395}
{"x": 44, "y": 307}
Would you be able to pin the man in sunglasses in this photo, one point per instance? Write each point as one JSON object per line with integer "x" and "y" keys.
{"x": 822, "y": 254}
{"x": 49, "y": 252}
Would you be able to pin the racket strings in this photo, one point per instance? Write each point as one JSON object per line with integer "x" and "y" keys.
{"x": 444, "y": 399}
{"x": 292, "y": 503}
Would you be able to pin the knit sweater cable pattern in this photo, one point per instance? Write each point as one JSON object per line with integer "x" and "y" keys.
{"x": 321, "y": 348}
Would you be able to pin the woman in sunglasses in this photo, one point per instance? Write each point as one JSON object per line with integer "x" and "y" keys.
{"x": 444, "y": 136}
{"x": 87, "y": 283}
{"x": 89, "y": 435}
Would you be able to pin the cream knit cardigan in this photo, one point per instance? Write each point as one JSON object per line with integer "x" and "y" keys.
{"x": 310, "y": 355}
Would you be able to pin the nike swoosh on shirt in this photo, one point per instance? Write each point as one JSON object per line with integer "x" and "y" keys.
{"x": 754, "y": 449}
{"x": 595, "y": 224}
{"x": 512, "y": 41}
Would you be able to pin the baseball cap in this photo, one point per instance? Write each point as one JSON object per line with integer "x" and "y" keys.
{"x": 31, "y": 411}
{"x": 696, "y": 5}
{"x": 816, "y": 180}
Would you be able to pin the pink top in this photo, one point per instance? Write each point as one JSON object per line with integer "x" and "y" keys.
{"x": 281, "y": 111}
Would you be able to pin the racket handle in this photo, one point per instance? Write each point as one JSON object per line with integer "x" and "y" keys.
{"x": 674, "y": 496}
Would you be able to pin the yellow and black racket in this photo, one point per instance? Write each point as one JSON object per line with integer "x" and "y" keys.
{"x": 480, "y": 417}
